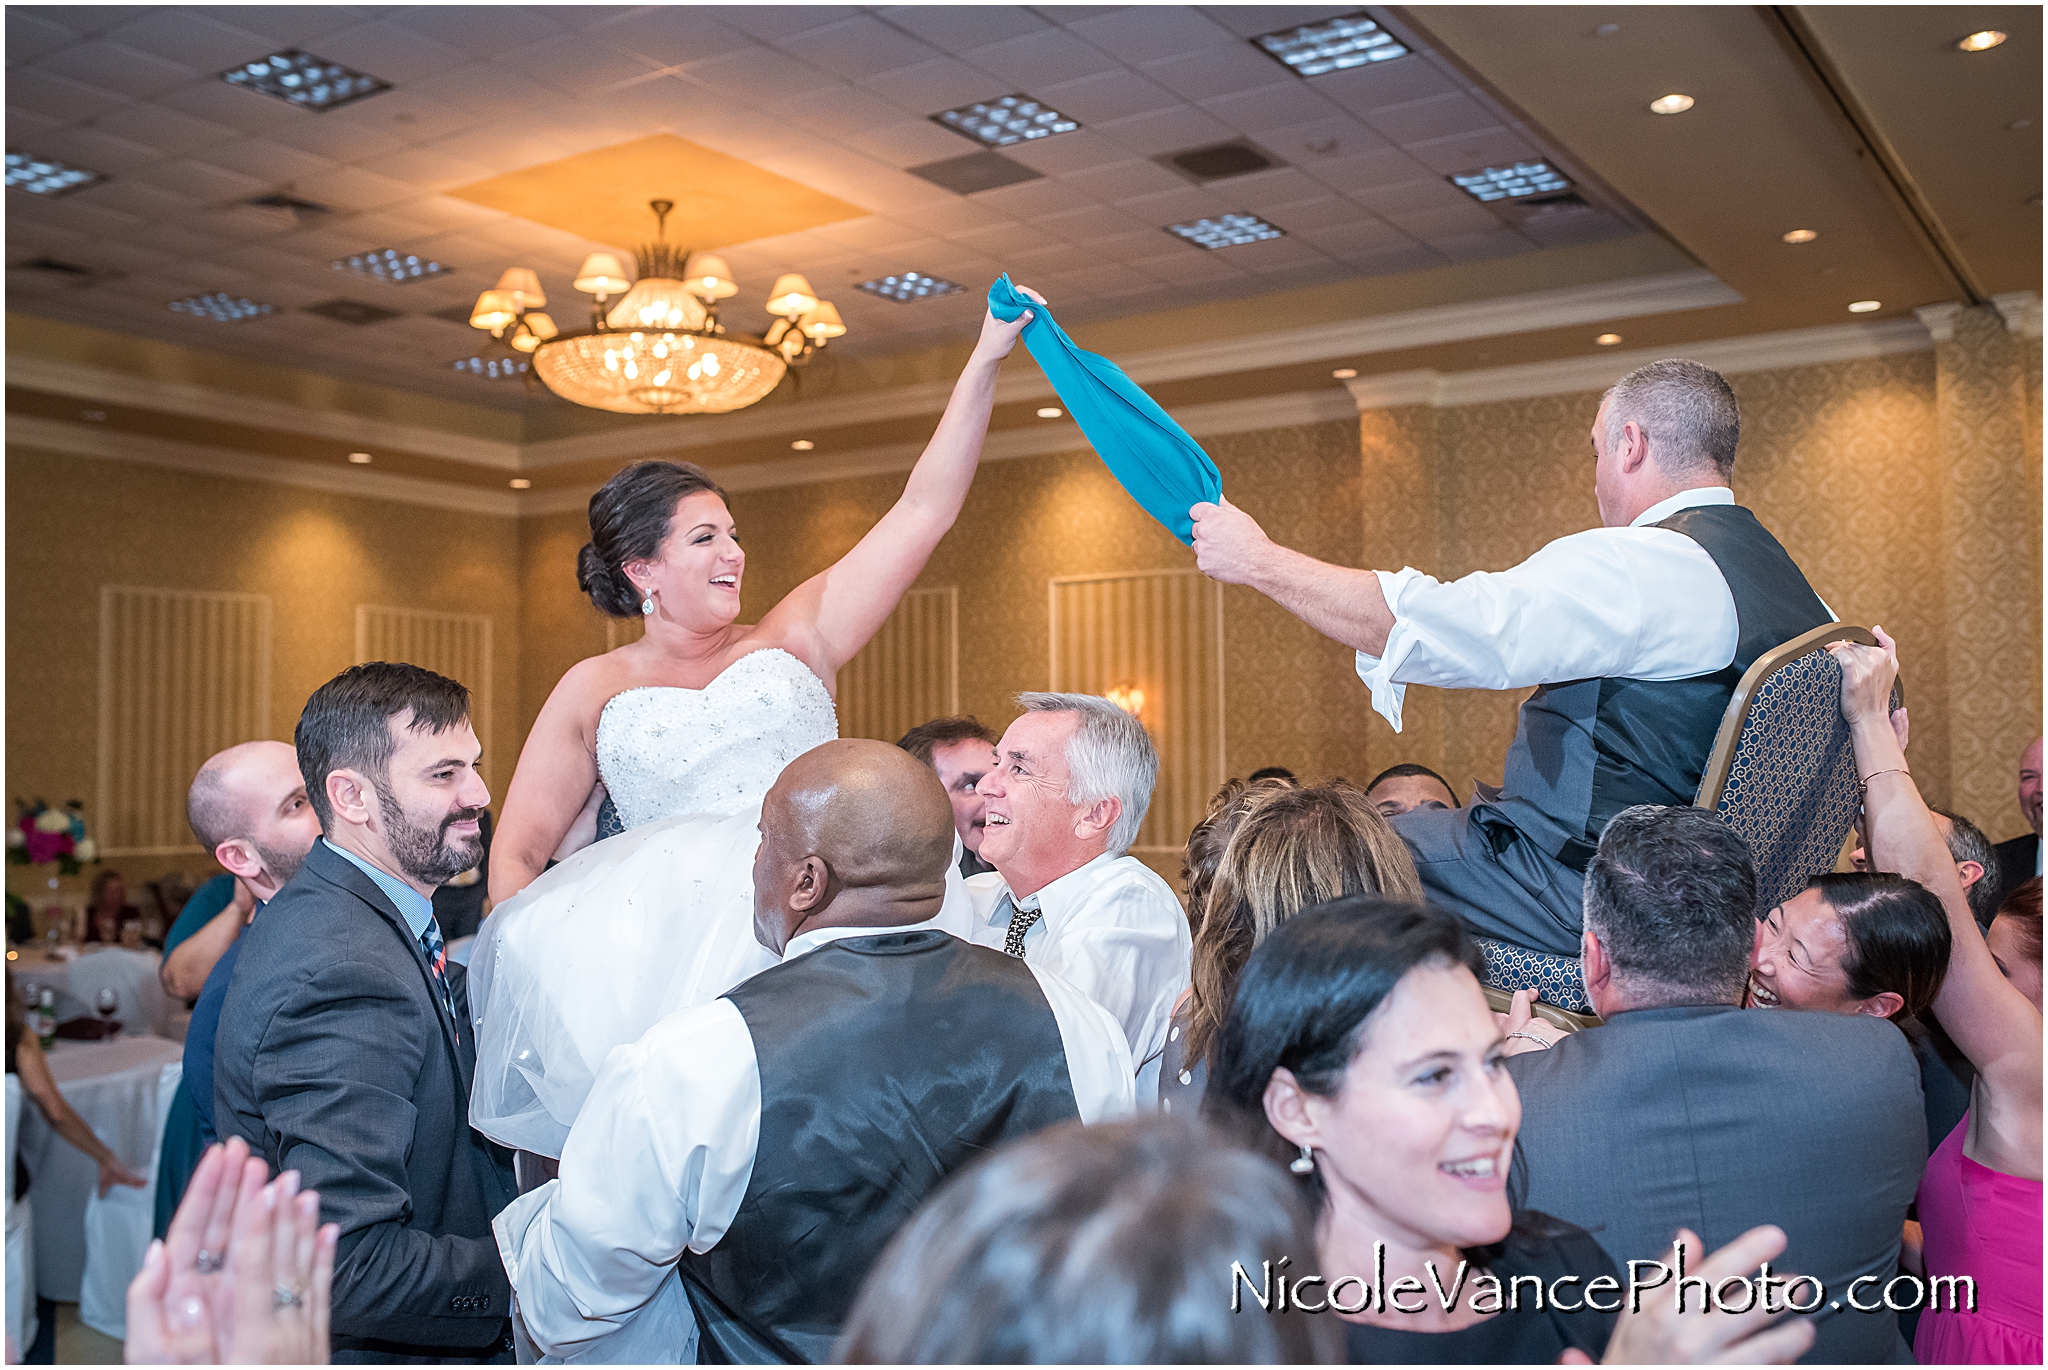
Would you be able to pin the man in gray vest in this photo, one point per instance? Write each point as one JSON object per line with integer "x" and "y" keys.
{"x": 735, "y": 1171}
{"x": 1635, "y": 632}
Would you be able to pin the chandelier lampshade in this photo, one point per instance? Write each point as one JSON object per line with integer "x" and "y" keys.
{"x": 658, "y": 347}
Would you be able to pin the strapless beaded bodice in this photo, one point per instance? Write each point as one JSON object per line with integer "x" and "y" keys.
{"x": 667, "y": 750}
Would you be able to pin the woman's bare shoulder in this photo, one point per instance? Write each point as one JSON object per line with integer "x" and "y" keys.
{"x": 586, "y": 687}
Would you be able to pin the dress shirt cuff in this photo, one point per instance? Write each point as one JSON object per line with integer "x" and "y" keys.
{"x": 1377, "y": 672}
{"x": 513, "y": 1224}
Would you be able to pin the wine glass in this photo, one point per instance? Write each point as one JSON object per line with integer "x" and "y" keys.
{"x": 107, "y": 1002}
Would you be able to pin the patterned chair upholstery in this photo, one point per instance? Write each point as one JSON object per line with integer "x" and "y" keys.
{"x": 1781, "y": 774}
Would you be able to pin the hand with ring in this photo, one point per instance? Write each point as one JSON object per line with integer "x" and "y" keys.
{"x": 1520, "y": 1029}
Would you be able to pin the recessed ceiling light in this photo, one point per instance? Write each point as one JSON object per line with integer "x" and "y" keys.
{"x": 1608, "y": 339}
{"x": 520, "y": 483}
{"x": 359, "y": 458}
{"x": 47, "y": 175}
{"x": 1001, "y": 123}
{"x": 1671, "y": 104}
{"x": 304, "y": 80}
{"x": 391, "y": 265}
{"x": 1606, "y": 30}
{"x": 1226, "y": 230}
{"x": 802, "y": 445}
{"x": 1052, "y": 411}
{"x": 1866, "y": 306}
{"x": 1345, "y": 373}
{"x": 1801, "y": 235}
{"x": 910, "y": 285}
{"x": 1332, "y": 45}
{"x": 221, "y": 307}
{"x": 491, "y": 368}
{"x": 1981, "y": 41}
{"x": 1514, "y": 182}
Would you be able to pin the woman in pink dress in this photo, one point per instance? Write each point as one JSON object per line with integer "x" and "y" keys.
{"x": 1980, "y": 1200}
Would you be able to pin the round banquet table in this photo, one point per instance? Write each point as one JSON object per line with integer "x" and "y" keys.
{"x": 115, "y": 1088}
{"x": 131, "y": 974}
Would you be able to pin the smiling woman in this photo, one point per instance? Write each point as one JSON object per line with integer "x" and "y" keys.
{"x": 1857, "y": 942}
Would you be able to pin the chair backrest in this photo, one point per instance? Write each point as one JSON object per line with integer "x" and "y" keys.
{"x": 1782, "y": 772}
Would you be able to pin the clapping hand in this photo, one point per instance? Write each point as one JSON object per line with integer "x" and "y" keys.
{"x": 1659, "y": 1334}
{"x": 244, "y": 1276}
{"x": 997, "y": 337}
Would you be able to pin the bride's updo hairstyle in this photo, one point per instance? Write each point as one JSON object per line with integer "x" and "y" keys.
{"x": 629, "y": 520}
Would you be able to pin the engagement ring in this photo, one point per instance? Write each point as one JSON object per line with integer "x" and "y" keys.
{"x": 281, "y": 1297}
{"x": 209, "y": 1264}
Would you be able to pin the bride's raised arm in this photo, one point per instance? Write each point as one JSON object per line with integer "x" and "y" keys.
{"x": 831, "y": 616}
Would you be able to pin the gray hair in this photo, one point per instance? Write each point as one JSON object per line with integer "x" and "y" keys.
{"x": 1967, "y": 842}
{"x": 1109, "y": 756}
{"x": 1687, "y": 413}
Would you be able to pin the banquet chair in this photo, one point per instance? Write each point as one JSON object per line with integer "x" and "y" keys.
{"x": 1782, "y": 773}
{"x": 21, "y": 1240}
{"x": 132, "y": 975}
{"x": 118, "y": 1228}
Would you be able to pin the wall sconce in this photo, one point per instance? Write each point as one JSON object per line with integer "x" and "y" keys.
{"x": 1129, "y": 698}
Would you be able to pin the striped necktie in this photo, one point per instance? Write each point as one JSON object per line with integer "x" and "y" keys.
{"x": 437, "y": 962}
{"x": 1023, "y": 917}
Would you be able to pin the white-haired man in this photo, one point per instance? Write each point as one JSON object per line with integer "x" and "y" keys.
{"x": 1073, "y": 777}
{"x": 1636, "y": 633}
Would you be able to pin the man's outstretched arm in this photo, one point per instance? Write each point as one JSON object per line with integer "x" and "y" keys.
{"x": 1337, "y": 601}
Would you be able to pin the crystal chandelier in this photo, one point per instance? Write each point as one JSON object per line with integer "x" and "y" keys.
{"x": 660, "y": 348}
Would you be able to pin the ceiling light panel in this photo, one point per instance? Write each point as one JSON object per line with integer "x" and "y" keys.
{"x": 221, "y": 307}
{"x": 492, "y": 368}
{"x": 304, "y": 80}
{"x": 1491, "y": 183}
{"x": 911, "y": 285}
{"x": 1226, "y": 230}
{"x": 46, "y": 175}
{"x": 1006, "y": 122}
{"x": 1332, "y": 45}
{"x": 390, "y": 265}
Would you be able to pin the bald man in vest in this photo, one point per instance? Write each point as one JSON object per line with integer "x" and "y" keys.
{"x": 1634, "y": 633}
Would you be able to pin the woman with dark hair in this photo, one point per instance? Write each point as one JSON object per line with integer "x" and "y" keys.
{"x": 1980, "y": 1201}
{"x": 2015, "y": 940}
{"x": 1860, "y": 942}
{"x": 109, "y": 910}
{"x": 1111, "y": 1244}
{"x": 682, "y": 731}
{"x": 1360, "y": 1042}
{"x": 1288, "y": 847}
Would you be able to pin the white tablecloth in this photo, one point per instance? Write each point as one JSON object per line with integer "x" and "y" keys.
{"x": 114, "y": 1086}
{"x": 132, "y": 975}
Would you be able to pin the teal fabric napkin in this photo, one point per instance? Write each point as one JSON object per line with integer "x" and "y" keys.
{"x": 1152, "y": 457}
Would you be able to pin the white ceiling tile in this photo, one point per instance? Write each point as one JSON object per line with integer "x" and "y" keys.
{"x": 1170, "y": 130}
{"x": 1417, "y": 197}
{"x": 479, "y": 30}
{"x": 389, "y": 52}
{"x": 217, "y": 102}
{"x": 1275, "y": 254}
{"x": 146, "y": 201}
{"x": 1181, "y": 206}
{"x": 267, "y": 161}
{"x": 956, "y": 28}
{"x": 343, "y": 135}
{"x": 286, "y": 25}
{"x": 1343, "y": 135}
{"x": 413, "y": 116}
{"x": 1385, "y": 83}
{"x": 1190, "y": 265}
{"x": 91, "y": 149}
{"x": 1262, "y": 189}
{"x": 1466, "y": 151}
{"x": 484, "y": 90}
{"x": 57, "y": 97}
{"x": 1322, "y": 211}
{"x": 1127, "y": 247}
{"x": 1047, "y": 57}
{"x": 837, "y": 110}
{"x": 1440, "y": 116}
{"x": 1123, "y": 180}
{"x": 1362, "y": 171}
{"x": 905, "y": 143}
{"x": 575, "y": 65}
{"x": 857, "y": 47}
{"x": 1432, "y": 225}
{"x": 1361, "y": 235}
{"x": 1273, "y": 106}
{"x": 1482, "y": 246}
{"x": 162, "y": 128}
{"x": 866, "y": 235}
{"x": 671, "y": 35}
{"x": 1249, "y": 20}
{"x": 956, "y": 214}
{"x": 198, "y": 41}
{"x": 1568, "y": 230}
{"x": 86, "y": 20}
{"x": 1145, "y": 33}
{"x": 418, "y": 167}
{"x": 931, "y": 87}
{"x": 1001, "y": 240}
{"x": 1032, "y": 199}
{"x": 1064, "y": 153}
{"x": 773, "y": 23}
{"x": 447, "y": 212}
{"x": 1087, "y": 225}
{"x": 1218, "y": 71}
{"x": 351, "y": 188}
{"x": 30, "y": 36}
{"x": 1111, "y": 96}
{"x": 752, "y": 70}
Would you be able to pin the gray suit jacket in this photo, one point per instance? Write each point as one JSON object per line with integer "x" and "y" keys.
{"x": 335, "y": 1058}
{"x": 1720, "y": 1118}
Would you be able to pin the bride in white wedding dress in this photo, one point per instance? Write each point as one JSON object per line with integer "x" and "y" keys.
{"x": 685, "y": 729}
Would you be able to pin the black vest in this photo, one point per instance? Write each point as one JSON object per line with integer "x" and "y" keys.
{"x": 1587, "y": 749}
{"x": 886, "y": 1064}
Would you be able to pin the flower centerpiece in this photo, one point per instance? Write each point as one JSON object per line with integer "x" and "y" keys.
{"x": 42, "y": 833}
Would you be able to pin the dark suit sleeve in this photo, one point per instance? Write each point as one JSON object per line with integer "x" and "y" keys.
{"x": 335, "y": 1073}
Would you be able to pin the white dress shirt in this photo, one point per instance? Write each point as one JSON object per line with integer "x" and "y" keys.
{"x": 1634, "y": 603}
{"x": 1112, "y": 929}
{"x": 659, "y": 1161}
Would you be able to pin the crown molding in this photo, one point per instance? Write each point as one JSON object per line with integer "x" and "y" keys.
{"x": 197, "y": 402}
{"x": 69, "y": 439}
{"x": 1574, "y": 375}
{"x": 2021, "y": 311}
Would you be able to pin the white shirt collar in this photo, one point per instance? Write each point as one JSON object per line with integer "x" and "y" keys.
{"x": 818, "y": 937}
{"x": 1684, "y": 499}
{"x": 1067, "y": 890}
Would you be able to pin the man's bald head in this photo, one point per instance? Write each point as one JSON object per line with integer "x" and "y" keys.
{"x": 853, "y": 834}
{"x": 221, "y": 803}
{"x": 248, "y": 807}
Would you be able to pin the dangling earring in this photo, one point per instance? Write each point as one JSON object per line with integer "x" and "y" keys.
{"x": 647, "y": 604}
{"x": 1305, "y": 1162}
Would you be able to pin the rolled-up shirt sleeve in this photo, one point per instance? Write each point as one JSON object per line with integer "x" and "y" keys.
{"x": 1620, "y": 603}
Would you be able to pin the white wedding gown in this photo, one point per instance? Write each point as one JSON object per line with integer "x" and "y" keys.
{"x": 601, "y": 947}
